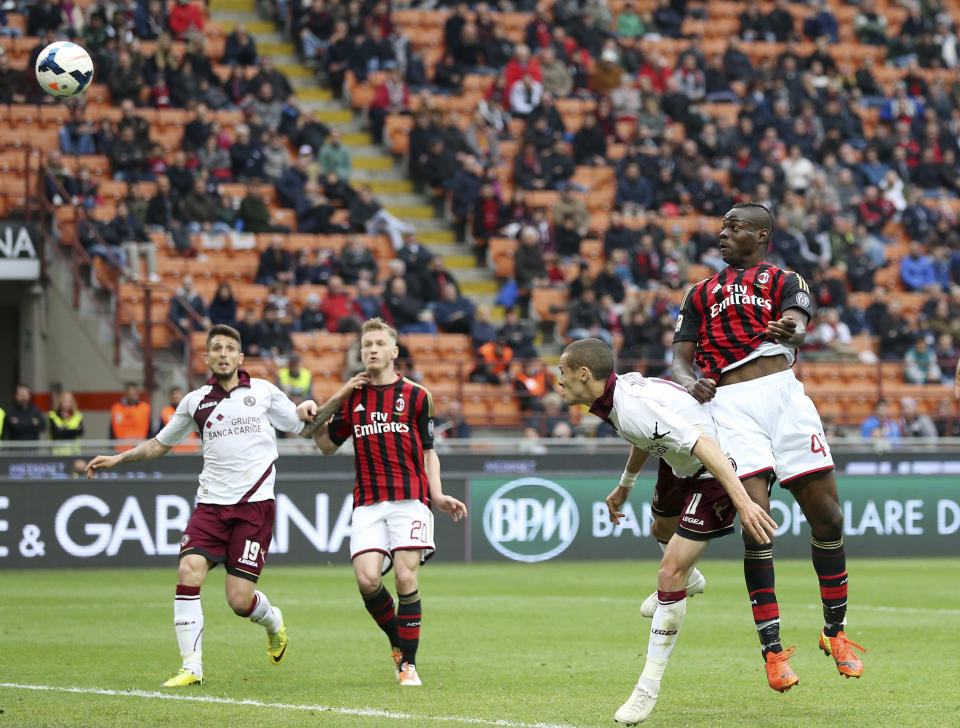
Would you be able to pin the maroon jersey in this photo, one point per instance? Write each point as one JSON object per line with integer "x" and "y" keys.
{"x": 727, "y": 314}
{"x": 391, "y": 425}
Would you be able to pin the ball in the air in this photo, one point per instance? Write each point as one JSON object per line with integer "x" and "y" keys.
{"x": 64, "y": 69}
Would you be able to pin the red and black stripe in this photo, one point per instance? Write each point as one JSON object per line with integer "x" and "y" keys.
{"x": 739, "y": 328}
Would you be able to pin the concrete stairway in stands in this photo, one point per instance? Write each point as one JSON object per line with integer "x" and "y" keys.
{"x": 372, "y": 165}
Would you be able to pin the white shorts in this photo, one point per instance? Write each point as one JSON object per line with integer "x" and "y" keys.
{"x": 770, "y": 424}
{"x": 390, "y": 526}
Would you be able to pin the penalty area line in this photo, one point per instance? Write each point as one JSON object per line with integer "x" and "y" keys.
{"x": 359, "y": 712}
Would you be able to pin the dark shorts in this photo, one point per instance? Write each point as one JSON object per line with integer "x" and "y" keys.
{"x": 237, "y": 536}
{"x": 703, "y": 505}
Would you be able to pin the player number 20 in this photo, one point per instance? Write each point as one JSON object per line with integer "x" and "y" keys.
{"x": 419, "y": 532}
{"x": 251, "y": 550}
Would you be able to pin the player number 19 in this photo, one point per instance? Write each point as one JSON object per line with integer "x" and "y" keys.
{"x": 251, "y": 550}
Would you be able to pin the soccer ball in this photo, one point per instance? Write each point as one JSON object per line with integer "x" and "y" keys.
{"x": 64, "y": 69}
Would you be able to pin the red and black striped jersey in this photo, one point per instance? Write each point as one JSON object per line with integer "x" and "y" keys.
{"x": 391, "y": 426}
{"x": 727, "y": 315}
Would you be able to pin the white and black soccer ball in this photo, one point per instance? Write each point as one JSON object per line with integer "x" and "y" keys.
{"x": 64, "y": 69}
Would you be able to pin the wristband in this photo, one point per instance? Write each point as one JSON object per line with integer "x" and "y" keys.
{"x": 628, "y": 479}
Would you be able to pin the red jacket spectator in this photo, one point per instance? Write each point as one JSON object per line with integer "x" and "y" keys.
{"x": 515, "y": 71}
{"x": 381, "y": 97}
{"x": 336, "y": 305}
{"x": 657, "y": 73}
{"x": 185, "y": 16}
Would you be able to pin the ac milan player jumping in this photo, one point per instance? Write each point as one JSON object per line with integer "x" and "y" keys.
{"x": 397, "y": 479}
{"x": 743, "y": 326}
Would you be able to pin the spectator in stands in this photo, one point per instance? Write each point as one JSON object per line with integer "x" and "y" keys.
{"x": 311, "y": 317}
{"x": 13, "y": 82}
{"x": 65, "y": 422}
{"x": 916, "y": 269}
{"x": 557, "y": 79}
{"x": 586, "y": 319}
{"x": 337, "y": 305}
{"x": 130, "y": 417}
{"x": 870, "y": 25}
{"x": 294, "y": 380}
{"x": 437, "y": 276}
{"x": 77, "y": 134}
{"x": 368, "y": 214}
{"x": 125, "y": 231}
{"x": 246, "y": 156}
{"x": 452, "y": 425}
{"x": 518, "y": 334}
{"x": 276, "y": 264}
{"x": 165, "y": 214}
{"x": 896, "y": 332}
{"x": 272, "y": 335}
{"x": 881, "y": 424}
{"x": 255, "y": 215}
{"x": 24, "y": 420}
{"x": 493, "y": 367}
{"x": 405, "y": 311}
{"x": 128, "y": 158}
{"x": 335, "y": 157}
{"x": 200, "y": 210}
{"x": 525, "y": 96}
{"x": 520, "y": 65}
{"x": 223, "y": 306}
{"x": 185, "y": 17}
{"x": 290, "y": 187}
{"x": 920, "y": 364}
{"x": 367, "y": 301}
{"x": 185, "y": 299}
{"x": 916, "y": 423}
{"x": 249, "y": 333}
{"x": 531, "y": 384}
{"x": 180, "y": 175}
{"x": 240, "y": 49}
{"x": 947, "y": 355}
{"x": 452, "y": 312}
{"x": 634, "y": 194}
{"x": 831, "y": 334}
{"x": 276, "y": 156}
{"x": 355, "y": 260}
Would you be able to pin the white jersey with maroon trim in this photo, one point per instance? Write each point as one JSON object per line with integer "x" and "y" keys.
{"x": 657, "y": 416}
{"x": 238, "y": 438}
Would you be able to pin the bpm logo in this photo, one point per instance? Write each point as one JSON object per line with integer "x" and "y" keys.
{"x": 530, "y": 519}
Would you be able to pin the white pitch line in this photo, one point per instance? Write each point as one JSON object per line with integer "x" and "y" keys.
{"x": 361, "y": 712}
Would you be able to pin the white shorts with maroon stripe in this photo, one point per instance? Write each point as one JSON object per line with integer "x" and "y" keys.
{"x": 771, "y": 424}
{"x": 390, "y": 526}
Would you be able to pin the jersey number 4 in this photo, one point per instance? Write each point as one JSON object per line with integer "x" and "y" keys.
{"x": 816, "y": 445}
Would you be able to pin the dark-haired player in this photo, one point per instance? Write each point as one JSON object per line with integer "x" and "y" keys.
{"x": 743, "y": 327}
{"x": 397, "y": 479}
{"x": 660, "y": 418}
{"x": 233, "y": 521}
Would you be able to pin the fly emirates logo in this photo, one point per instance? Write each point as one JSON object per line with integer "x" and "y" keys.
{"x": 737, "y": 295}
{"x": 379, "y": 425}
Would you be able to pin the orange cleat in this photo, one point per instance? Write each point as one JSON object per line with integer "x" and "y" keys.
{"x": 841, "y": 649}
{"x": 779, "y": 673}
{"x": 397, "y": 656}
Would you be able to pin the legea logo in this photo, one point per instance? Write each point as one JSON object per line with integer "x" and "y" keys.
{"x": 530, "y": 519}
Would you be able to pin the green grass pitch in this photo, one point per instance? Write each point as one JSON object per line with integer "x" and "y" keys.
{"x": 554, "y": 644}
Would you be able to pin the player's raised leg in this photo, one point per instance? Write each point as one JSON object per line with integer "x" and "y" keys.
{"x": 406, "y": 564}
{"x": 679, "y": 558}
{"x": 818, "y": 499}
{"x": 188, "y": 620}
{"x": 247, "y": 601}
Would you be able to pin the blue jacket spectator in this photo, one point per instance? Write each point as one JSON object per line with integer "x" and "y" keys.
{"x": 821, "y": 23}
{"x": 916, "y": 269}
{"x": 886, "y": 427}
{"x": 634, "y": 189}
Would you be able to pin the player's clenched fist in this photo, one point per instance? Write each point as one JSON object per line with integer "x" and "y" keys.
{"x": 703, "y": 390}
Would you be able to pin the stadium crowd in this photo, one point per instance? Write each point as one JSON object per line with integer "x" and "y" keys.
{"x": 861, "y": 174}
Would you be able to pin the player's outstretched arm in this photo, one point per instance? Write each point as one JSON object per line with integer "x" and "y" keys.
{"x": 144, "y": 451}
{"x": 754, "y": 520}
{"x": 321, "y": 414}
{"x": 681, "y": 371}
{"x": 619, "y": 495}
{"x": 446, "y": 503}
